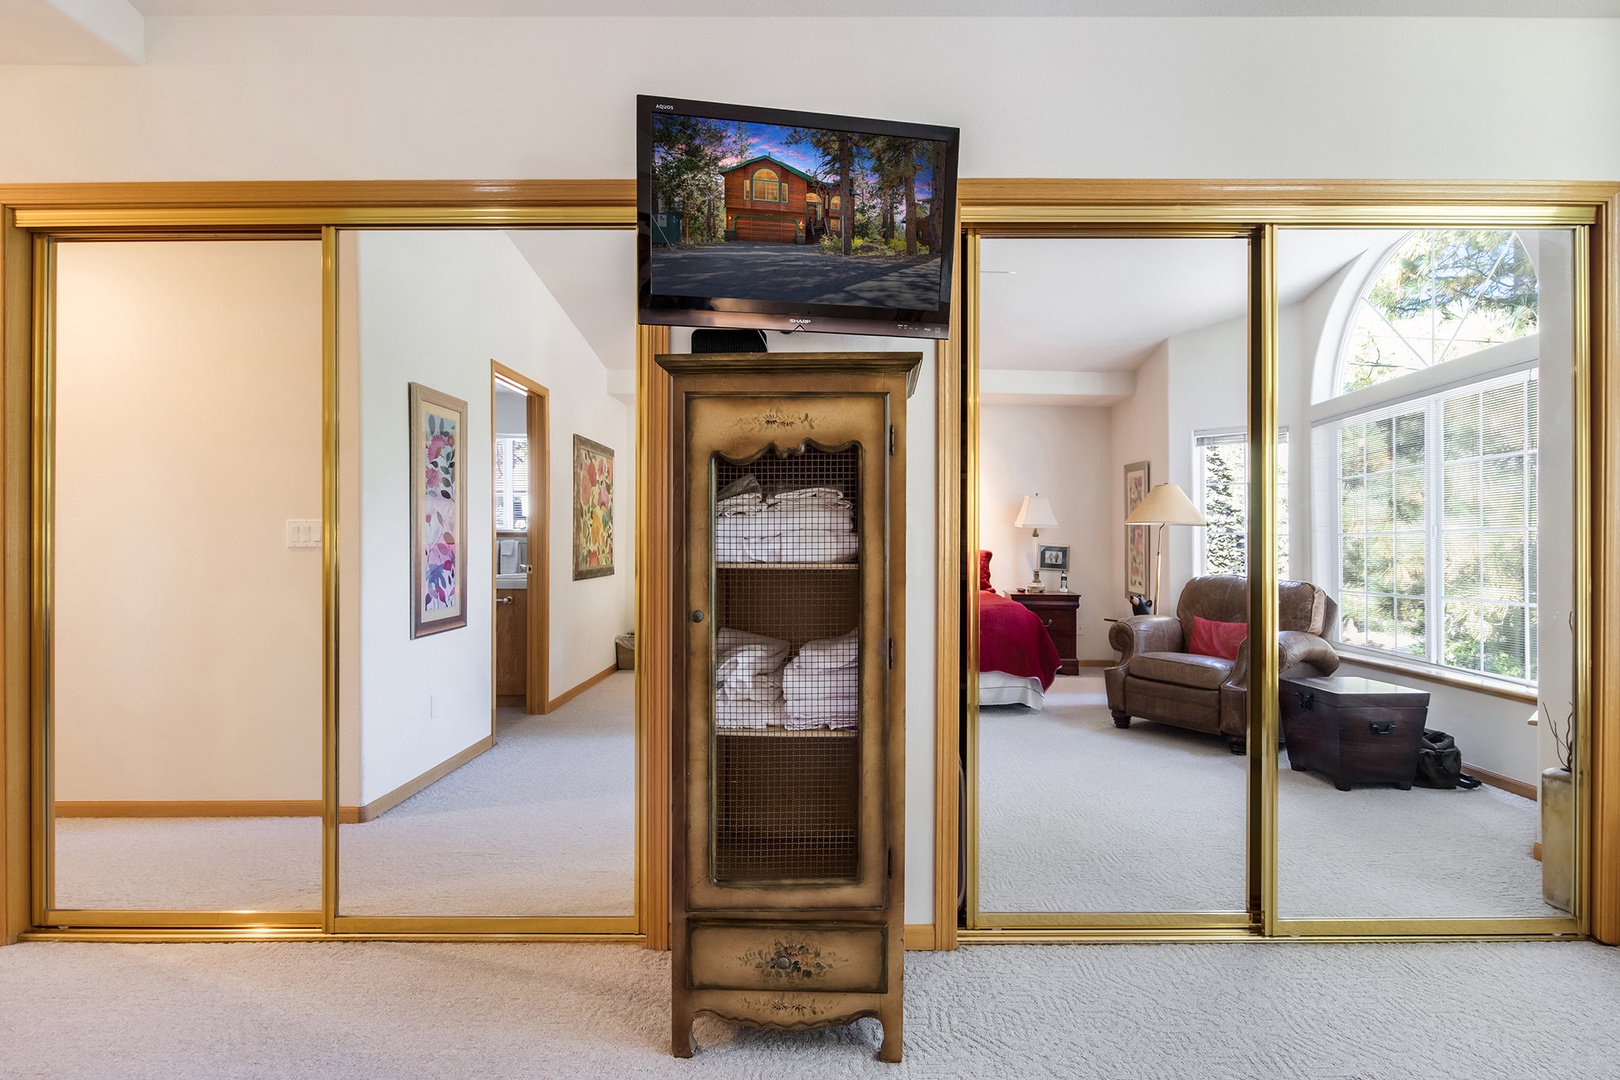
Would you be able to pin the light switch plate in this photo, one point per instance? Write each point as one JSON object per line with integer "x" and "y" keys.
{"x": 303, "y": 532}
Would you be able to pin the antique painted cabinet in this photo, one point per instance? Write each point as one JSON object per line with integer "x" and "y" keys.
{"x": 788, "y": 475}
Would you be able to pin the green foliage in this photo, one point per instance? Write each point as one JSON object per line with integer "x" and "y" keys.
{"x": 1444, "y": 293}
{"x": 689, "y": 151}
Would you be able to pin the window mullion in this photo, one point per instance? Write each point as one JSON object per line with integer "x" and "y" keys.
{"x": 1434, "y": 518}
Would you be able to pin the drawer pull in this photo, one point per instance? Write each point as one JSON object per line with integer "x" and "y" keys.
{"x": 1382, "y": 727}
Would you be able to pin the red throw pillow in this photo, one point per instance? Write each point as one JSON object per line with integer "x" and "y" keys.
{"x": 984, "y": 570}
{"x": 1211, "y": 638}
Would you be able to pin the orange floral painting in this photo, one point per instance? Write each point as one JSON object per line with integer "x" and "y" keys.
{"x": 593, "y": 509}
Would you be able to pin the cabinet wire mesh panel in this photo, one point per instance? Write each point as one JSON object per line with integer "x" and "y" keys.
{"x": 787, "y": 752}
{"x": 787, "y": 667}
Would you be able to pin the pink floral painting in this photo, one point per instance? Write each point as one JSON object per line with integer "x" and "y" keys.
{"x": 438, "y": 511}
{"x": 593, "y": 509}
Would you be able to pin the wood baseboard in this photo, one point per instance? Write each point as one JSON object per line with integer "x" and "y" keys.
{"x": 1535, "y": 851}
{"x": 1095, "y": 663}
{"x": 176, "y": 808}
{"x": 920, "y": 937}
{"x": 565, "y": 698}
{"x": 379, "y": 806}
{"x": 1506, "y": 783}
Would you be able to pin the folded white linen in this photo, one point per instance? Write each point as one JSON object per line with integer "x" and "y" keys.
{"x": 809, "y": 687}
{"x": 747, "y": 504}
{"x": 810, "y": 704}
{"x": 743, "y": 686}
{"x": 749, "y": 714}
{"x": 800, "y": 547}
{"x": 823, "y": 653}
{"x": 812, "y": 494}
{"x": 740, "y": 653}
{"x": 746, "y": 484}
{"x": 841, "y": 723}
{"x": 776, "y": 521}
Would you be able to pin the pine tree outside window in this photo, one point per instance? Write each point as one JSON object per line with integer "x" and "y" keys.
{"x": 1221, "y": 458}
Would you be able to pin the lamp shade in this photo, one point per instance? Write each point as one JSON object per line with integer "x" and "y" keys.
{"x": 1166, "y": 504}
{"x": 1036, "y": 513}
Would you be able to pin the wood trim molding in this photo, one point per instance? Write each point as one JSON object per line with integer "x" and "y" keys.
{"x": 1189, "y": 195}
{"x": 654, "y": 648}
{"x": 169, "y": 808}
{"x": 16, "y": 717}
{"x": 947, "y": 638}
{"x": 302, "y": 194}
{"x": 569, "y": 695}
{"x": 1503, "y": 783}
{"x": 537, "y": 422}
{"x": 349, "y": 815}
{"x": 920, "y": 937}
{"x": 1602, "y": 743}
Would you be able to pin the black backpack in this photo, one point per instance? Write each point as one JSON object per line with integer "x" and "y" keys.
{"x": 1440, "y": 763}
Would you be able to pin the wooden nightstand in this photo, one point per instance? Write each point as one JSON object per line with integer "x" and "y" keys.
{"x": 1060, "y": 612}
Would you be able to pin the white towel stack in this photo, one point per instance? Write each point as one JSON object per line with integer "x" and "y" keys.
{"x": 811, "y": 524}
{"x": 822, "y": 685}
{"x": 748, "y": 680}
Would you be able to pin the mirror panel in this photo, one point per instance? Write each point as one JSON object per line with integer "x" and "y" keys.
{"x": 184, "y": 716}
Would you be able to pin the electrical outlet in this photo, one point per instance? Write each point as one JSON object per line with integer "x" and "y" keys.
{"x": 433, "y": 706}
{"x": 303, "y": 532}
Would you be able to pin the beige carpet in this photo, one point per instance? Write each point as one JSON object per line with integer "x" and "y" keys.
{"x": 541, "y": 824}
{"x": 399, "y": 1011}
{"x": 1078, "y": 815}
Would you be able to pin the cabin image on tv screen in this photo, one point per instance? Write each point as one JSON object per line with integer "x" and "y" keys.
{"x": 793, "y": 215}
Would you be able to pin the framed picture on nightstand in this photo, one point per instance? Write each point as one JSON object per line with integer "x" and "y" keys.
{"x": 1054, "y": 557}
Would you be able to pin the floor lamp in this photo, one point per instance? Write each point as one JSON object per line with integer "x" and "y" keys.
{"x": 1165, "y": 505}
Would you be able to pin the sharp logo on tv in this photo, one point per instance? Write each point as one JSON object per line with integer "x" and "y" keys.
{"x": 750, "y": 215}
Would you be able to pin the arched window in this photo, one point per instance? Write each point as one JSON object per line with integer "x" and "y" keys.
{"x": 1434, "y": 510}
{"x": 1443, "y": 293}
{"x": 766, "y": 186}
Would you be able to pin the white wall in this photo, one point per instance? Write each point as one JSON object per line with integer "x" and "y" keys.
{"x": 1141, "y": 432}
{"x": 1062, "y": 452}
{"x": 436, "y": 308}
{"x": 188, "y": 635}
{"x": 371, "y": 98}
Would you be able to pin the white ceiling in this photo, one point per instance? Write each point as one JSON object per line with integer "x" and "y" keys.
{"x": 887, "y": 8}
{"x": 1099, "y": 305}
{"x": 592, "y": 274}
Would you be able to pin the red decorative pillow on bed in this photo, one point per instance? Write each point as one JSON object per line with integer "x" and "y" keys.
{"x": 1211, "y": 638}
{"x": 984, "y": 570}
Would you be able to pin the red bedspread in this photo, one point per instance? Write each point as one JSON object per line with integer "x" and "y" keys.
{"x": 1013, "y": 639}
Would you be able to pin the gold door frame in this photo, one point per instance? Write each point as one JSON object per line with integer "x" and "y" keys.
{"x": 1040, "y": 208}
{"x": 32, "y": 219}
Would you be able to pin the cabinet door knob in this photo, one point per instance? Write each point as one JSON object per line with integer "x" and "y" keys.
{"x": 503, "y": 599}
{"x": 697, "y": 616}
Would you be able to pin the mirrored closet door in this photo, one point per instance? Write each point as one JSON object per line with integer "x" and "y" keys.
{"x": 183, "y": 561}
{"x": 487, "y": 758}
{"x": 1428, "y": 382}
{"x": 1105, "y": 750}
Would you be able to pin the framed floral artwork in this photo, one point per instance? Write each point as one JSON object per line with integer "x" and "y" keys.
{"x": 1136, "y": 536}
{"x": 593, "y": 509}
{"x": 438, "y": 512}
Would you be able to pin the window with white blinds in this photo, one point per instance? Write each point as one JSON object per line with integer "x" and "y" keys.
{"x": 511, "y": 482}
{"x": 1221, "y": 458}
{"x": 1435, "y": 526}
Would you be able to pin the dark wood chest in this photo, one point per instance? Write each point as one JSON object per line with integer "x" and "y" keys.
{"x": 1059, "y": 612}
{"x": 1353, "y": 730}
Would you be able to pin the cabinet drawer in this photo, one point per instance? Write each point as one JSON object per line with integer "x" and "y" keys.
{"x": 748, "y": 956}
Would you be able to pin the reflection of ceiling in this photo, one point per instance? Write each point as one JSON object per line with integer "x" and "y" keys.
{"x": 592, "y": 273}
{"x": 1098, "y": 305}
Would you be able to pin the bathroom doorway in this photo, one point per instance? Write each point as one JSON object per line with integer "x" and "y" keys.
{"x": 521, "y": 471}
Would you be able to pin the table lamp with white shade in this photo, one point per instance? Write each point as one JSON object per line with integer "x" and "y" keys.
{"x": 1165, "y": 505}
{"x": 1035, "y": 515}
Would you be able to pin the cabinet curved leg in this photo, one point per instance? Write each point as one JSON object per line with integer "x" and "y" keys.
{"x": 890, "y": 1050}
{"x": 680, "y": 1035}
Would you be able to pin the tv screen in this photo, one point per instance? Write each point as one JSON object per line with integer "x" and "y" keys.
{"x": 772, "y": 219}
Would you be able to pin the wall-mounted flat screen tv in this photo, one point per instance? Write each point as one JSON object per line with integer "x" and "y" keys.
{"x": 773, "y": 219}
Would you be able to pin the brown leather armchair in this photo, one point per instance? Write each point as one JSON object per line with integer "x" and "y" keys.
{"x": 1156, "y": 679}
